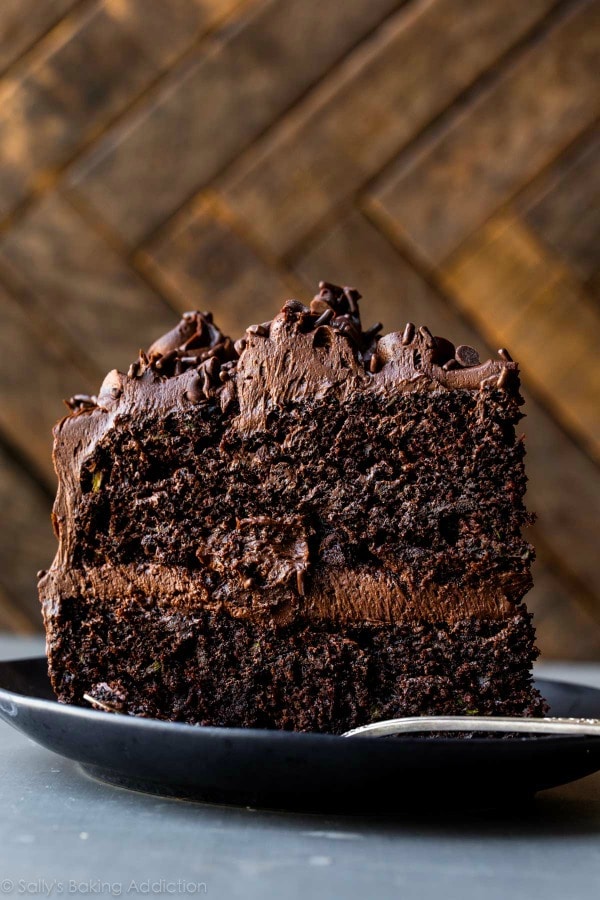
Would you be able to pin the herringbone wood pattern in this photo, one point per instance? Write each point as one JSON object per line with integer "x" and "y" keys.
{"x": 438, "y": 154}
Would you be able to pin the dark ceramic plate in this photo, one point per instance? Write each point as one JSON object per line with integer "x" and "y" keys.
{"x": 281, "y": 769}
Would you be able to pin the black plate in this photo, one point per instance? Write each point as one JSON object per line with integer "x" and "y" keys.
{"x": 252, "y": 767}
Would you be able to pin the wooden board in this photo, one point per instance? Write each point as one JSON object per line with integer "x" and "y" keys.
{"x": 27, "y": 544}
{"x": 22, "y": 22}
{"x": 13, "y": 618}
{"x": 340, "y": 137}
{"x": 214, "y": 105}
{"x": 448, "y": 187}
{"x": 35, "y": 375}
{"x": 166, "y": 30}
{"x": 61, "y": 101}
{"x": 563, "y": 207}
{"x": 80, "y": 282}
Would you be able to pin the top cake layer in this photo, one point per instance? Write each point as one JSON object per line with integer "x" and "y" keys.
{"x": 310, "y": 467}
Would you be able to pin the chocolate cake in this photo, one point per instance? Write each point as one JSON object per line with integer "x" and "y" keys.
{"x": 311, "y": 528}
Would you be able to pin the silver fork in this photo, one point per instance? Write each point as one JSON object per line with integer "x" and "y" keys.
{"x": 420, "y": 724}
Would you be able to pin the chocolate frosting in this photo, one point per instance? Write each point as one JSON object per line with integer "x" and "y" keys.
{"x": 304, "y": 353}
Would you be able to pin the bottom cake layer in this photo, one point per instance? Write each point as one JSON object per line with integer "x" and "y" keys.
{"x": 211, "y": 669}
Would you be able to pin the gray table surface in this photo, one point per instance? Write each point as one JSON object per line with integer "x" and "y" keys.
{"x": 63, "y": 833}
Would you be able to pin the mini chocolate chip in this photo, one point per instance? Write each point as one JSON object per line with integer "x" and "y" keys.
{"x": 240, "y": 345}
{"x": 212, "y": 365}
{"x": 427, "y": 336}
{"x": 467, "y": 356}
{"x": 81, "y": 401}
{"x": 294, "y": 306}
{"x": 502, "y": 378}
{"x": 258, "y": 330}
{"x": 163, "y": 361}
{"x": 325, "y": 318}
{"x": 451, "y": 364}
{"x": 408, "y": 333}
{"x": 194, "y": 393}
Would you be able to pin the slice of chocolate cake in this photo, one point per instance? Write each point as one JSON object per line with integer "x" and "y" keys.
{"x": 312, "y": 528}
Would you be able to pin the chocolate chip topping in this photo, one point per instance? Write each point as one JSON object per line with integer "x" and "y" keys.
{"x": 81, "y": 401}
{"x": 408, "y": 333}
{"x": 467, "y": 356}
{"x": 194, "y": 340}
{"x": 301, "y": 352}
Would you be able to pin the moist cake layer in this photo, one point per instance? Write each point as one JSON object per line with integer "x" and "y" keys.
{"x": 378, "y": 508}
{"x": 211, "y": 669}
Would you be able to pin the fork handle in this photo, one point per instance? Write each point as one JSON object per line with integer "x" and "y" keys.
{"x": 419, "y": 724}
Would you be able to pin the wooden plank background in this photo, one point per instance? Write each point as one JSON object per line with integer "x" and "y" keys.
{"x": 441, "y": 155}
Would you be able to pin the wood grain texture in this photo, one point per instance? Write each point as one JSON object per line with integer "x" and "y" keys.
{"x": 448, "y": 188}
{"x": 228, "y": 154}
{"x": 166, "y": 30}
{"x": 205, "y": 262}
{"x": 340, "y": 137}
{"x": 83, "y": 284}
{"x": 564, "y": 630}
{"x": 13, "y": 618}
{"x": 35, "y": 377}
{"x": 22, "y": 22}
{"x": 27, "y": 543}
{"x": 562, "y": 206}
{"x": 214, "y": 105}
{"x": 63, "y": 100}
